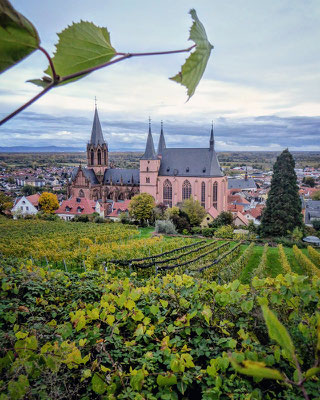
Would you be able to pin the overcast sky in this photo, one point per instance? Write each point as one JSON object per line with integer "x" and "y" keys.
{"x": 261, "y": 85}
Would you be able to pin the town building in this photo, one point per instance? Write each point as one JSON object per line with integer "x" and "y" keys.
{"x": 25, "y": 205}
{"x": 170, "y": 175}
{"x": 78, "y": 206}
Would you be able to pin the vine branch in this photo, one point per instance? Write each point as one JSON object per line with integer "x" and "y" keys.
{"x": 58, "y": 80}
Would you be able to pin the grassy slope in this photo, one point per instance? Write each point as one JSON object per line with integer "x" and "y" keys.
{"x": 274, "y": 267}
{"x": 253, "y": 262}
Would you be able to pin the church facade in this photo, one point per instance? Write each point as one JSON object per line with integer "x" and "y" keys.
{"x": 170, "y": 175}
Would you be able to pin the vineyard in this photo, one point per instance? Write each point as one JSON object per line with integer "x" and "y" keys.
{"x": 98, "y": 311}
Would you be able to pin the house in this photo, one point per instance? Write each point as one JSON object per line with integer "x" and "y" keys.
{"x": 25, "y": 205}
{"x": 78, "y": 206}
{"x": 117, "y": 208}
{"x": 254, "y": 214}
{"x": 239, "y": 219}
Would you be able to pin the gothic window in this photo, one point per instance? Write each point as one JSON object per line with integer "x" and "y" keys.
{"x": 95, "y": 195}
{"x": 81, "y": 193}
{"x": 167, "y": 193}
{"x": 105, "y": 157}
{"x": 99, "y": 157}
{"x": 147, "y": 169}
{"x": 215, "y": 195}
{"x": 186, "y": 190}
{"x": 147, "y": 180}
{"x": 120, "y": 197}
{"x": 91, "y": 157}
{"x": 203, "y": 194}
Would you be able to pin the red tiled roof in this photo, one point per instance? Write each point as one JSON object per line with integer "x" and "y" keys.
{"x": 242, "y": 218}
{"x": 235, "y": 208}
{"x": 74, "y": 207}
{"x": 34, "y": 199}
{"x": 119, "y": 207}
{"x": 255, "y": 212}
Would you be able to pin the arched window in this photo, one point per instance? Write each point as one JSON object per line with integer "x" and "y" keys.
{"x": 92, "y": 156}
{"x": 203, "y": 194}
{"x": 105, "y": 157}
{"x": 147, "y": 180}
{"x": 99, "y": 157}
{"x": 81, "y": 193}
{"x": 121, "y": 197}
{"x": 186, "y": 190}
{"x": 147, "y": 169}
{"x": 95, "y": 195}
{"x": 215, "y": 195}
{"x": 167, "y": 193}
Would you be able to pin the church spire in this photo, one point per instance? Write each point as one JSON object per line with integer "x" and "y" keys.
{"x": 162, "y": 142}
{"x": 96, "y": 133}
{"x": 211, "y": 138}
{"x": 149, "y": 153}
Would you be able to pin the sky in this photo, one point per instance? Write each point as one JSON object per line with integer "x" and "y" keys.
{"x": 261, "y": 85}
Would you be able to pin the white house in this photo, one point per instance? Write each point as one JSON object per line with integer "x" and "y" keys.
{"x": 25, "y": 205}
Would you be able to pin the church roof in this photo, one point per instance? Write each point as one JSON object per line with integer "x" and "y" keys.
{"x": 129, "y": 176}
{"x": 149, "y": 153}
{"x": 190, "y": 162}
{"x": 234, "y": 183}
{"x": 88, "y": 173}
{"x": 96, "y": 133}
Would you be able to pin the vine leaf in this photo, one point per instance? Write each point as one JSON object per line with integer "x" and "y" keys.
{"x": 257, "y": 370}
{"x": 81, "y": 46}
{"x": 278, "y": 333}
{"x": 18, "y": 37}
{"x": 193, "y": 69}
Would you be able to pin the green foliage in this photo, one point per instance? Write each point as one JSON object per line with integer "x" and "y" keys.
{"x": 165, "y": 227}
{"x": 309, "y": 181}
{"x": 296, "y": 234}
{"x": 224, "y": 232}
{"x": 224, "y": 218}
{"x": 141, "y": 207}
{"x": 283, "y": 208}
{"x": 195, "y": 65}
{"x": 316, "y": 195}
{"x": 5, "y": 203}
{"x": 83, "y": 335}
{"x": 315, "y": 255}
{"x": 18, "y": 37}
{"x": 28, "y": 190}
{"x": 82, "y": 45}
{"x": 194, "y": 211}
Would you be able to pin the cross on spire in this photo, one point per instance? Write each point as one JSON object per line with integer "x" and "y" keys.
{"x": 95, "y": 102}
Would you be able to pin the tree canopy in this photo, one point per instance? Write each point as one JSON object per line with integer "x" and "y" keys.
{"x": 141, "y": 207}
{"x": 194, "y": 210}
{"x": 48, "y": 202}
{"x": 283, "y": 208}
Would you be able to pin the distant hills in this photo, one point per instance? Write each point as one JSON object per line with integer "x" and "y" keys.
{"x": 42, "y": 149}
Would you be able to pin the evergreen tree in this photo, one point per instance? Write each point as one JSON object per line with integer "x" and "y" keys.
{"x": 283, "y": 208}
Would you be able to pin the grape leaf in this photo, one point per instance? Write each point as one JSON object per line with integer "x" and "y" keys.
{"x": 18, "y": 37}
{"x": 81, "y": 46}
{"x": 278, "y": 332}
{"x": 193, "y": 69}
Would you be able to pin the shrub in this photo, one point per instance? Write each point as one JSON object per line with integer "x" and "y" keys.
{"x": 196, "y": 230}
{"x": 99, "y": 220}
{"x": 165, "y": 226}
{"x": 224, "y": 232}
{"x": 208, "y": 232}
{"x": 316, "y": 224}
{"x": 81, "y": 218}
{"x": 181, "y": 223}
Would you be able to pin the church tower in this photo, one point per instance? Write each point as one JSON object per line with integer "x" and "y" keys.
{"x": 97, "y": 149}
{"x": 149, "y": 168}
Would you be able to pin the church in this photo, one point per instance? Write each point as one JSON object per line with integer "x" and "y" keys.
{"x": 170, "y": 175}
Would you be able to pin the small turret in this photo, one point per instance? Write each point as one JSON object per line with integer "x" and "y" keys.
{"x": 211, "y": 147}
{"x": 162, "y": 142}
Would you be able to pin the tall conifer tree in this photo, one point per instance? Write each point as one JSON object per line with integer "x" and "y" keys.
{"x": 283, "y": 208}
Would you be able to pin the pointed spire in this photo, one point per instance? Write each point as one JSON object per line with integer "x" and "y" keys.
{"x": 149, "y": 153}
{"x": 211, "y": 138}
{"x": 96, "y": 133}
{"x": 162, "y": 142}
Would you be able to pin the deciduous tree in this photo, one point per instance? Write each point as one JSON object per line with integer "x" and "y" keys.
{"x": 283, "y": 209}
{"x": 48, "y": 202}
{"x": 141, "y": 207}
{"x": 194, "y": 210}
{"x": 5, "y": 203}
